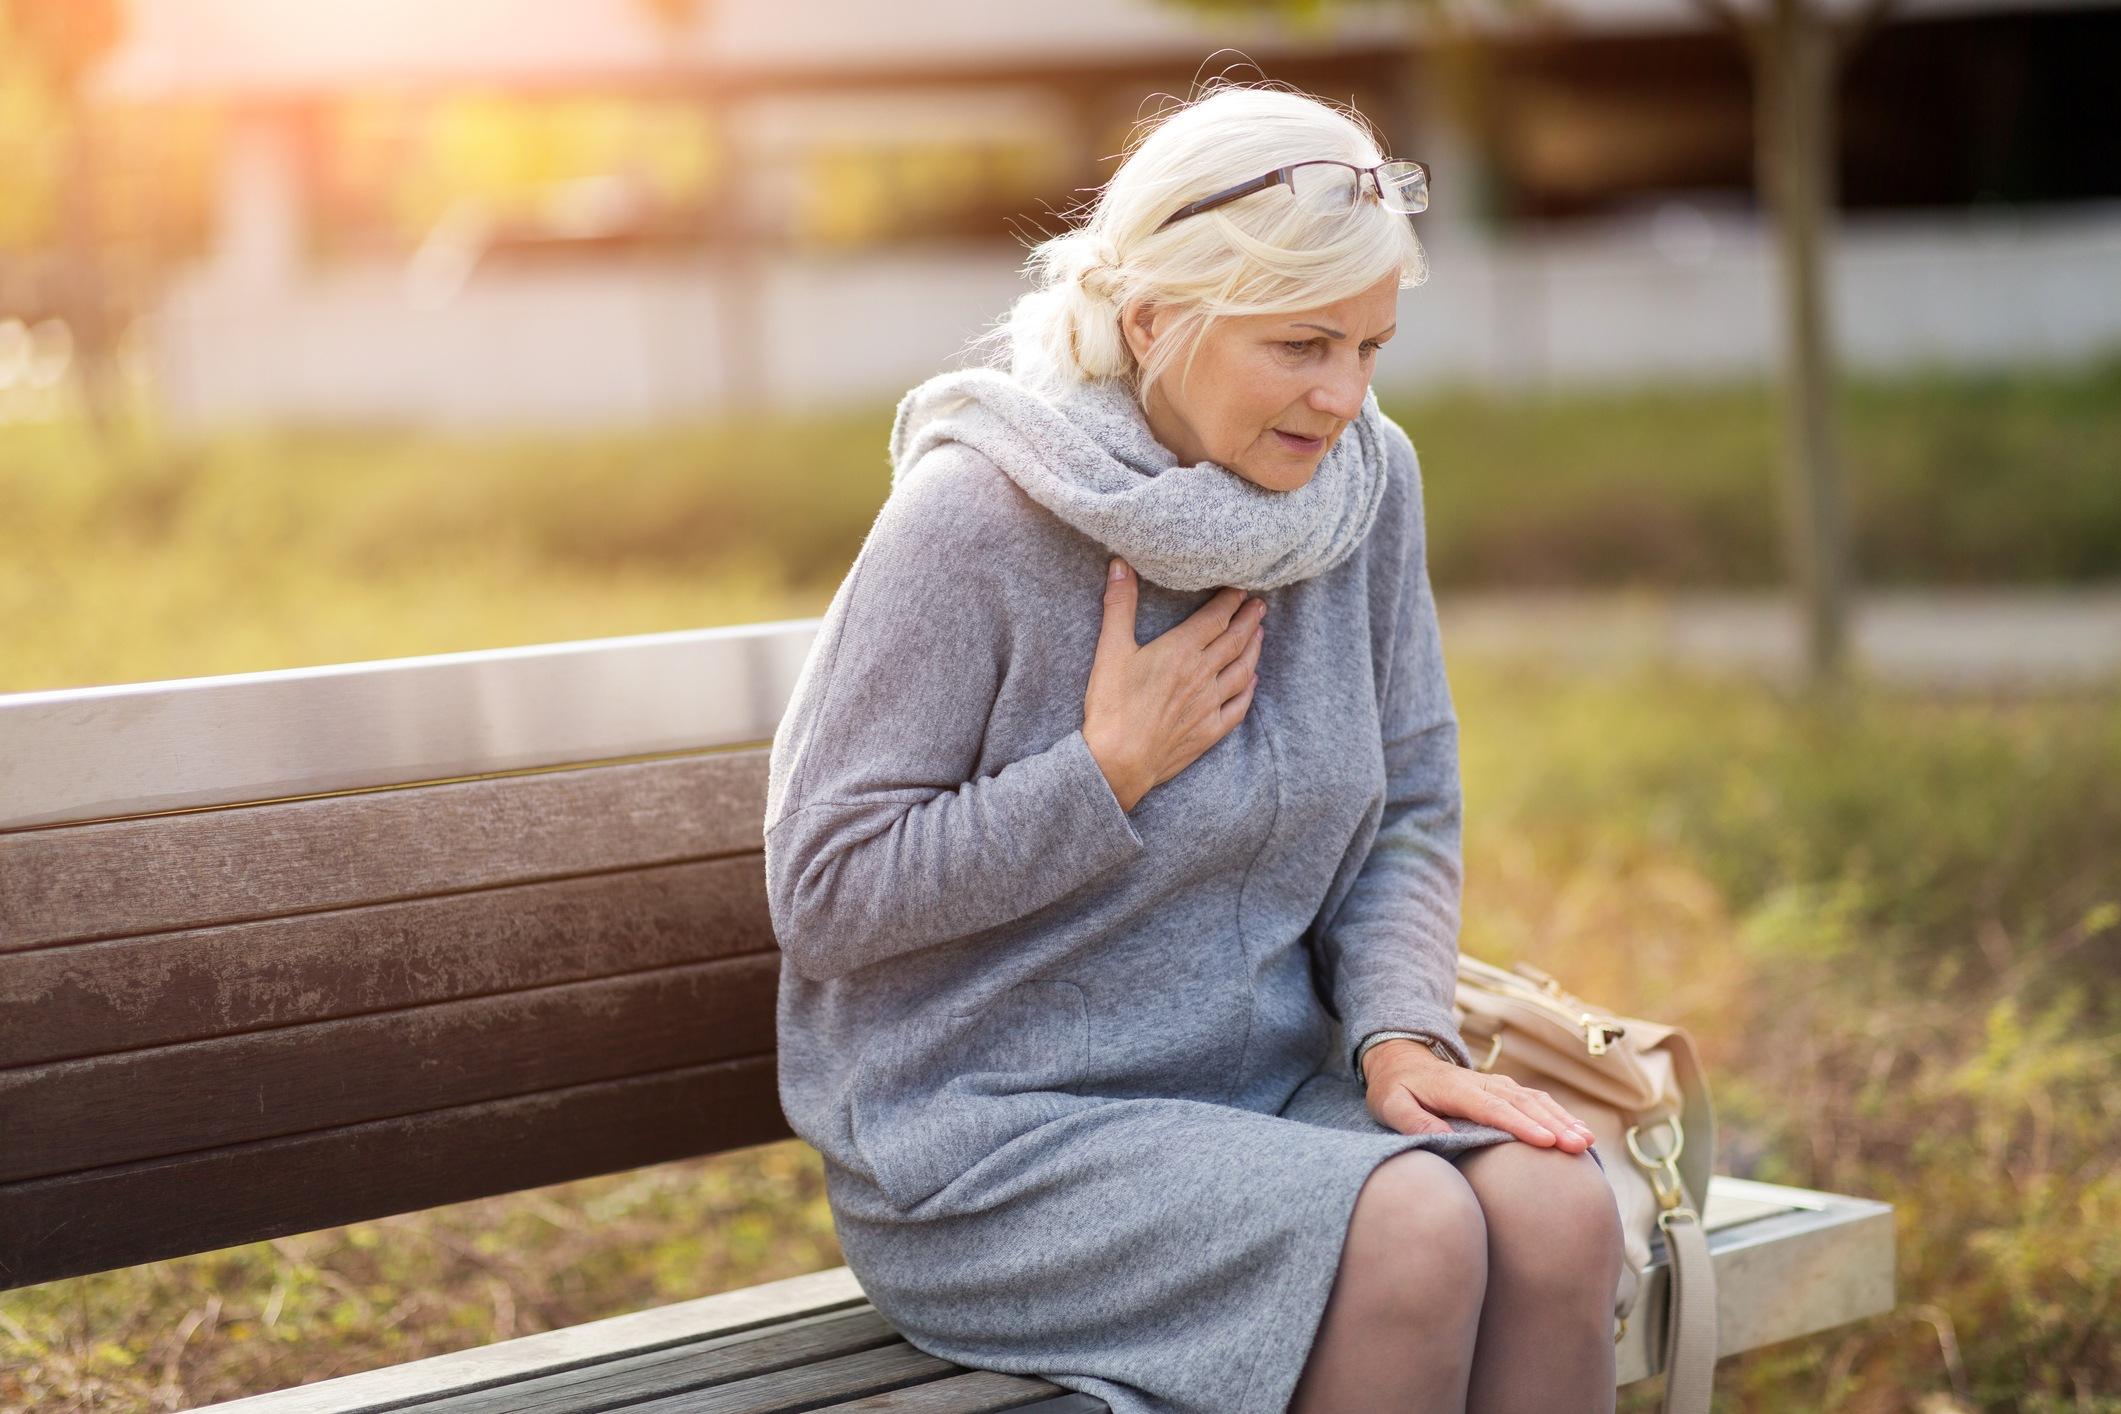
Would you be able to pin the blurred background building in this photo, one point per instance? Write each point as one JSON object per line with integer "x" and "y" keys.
{"x": 621, "y": 211}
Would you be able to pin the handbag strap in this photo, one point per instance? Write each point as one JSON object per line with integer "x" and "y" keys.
{"x": 1690, "y": 1333}
{"x": 1690, "y": 1314}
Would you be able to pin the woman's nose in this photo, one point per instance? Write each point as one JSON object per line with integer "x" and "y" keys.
{"x": 1341, "y": 392}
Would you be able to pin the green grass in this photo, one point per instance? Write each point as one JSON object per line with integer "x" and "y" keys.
{"x": 1951, "y": 479}
{"x": 281, "y": 549}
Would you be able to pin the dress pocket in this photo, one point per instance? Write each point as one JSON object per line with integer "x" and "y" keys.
{"x": 931, "y": 1101}
{"x": 1035, "y": 1033}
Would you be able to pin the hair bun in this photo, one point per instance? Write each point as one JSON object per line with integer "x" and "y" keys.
{"x": 1098, "y": 270}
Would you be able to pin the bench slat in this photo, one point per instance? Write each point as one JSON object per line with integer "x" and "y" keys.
{"x": 838, "y": 1380}
{"x": 676, "y": 1369}
{"x": 746, "y": 1310}
{"x": 978, "y": 1392}
{"x": 84, "y": 1114}
{"x": 86, "y": 999}
{"x": 124, "y": 878}
{"x": 114, "y": 1217}
{"x": 90, "y": 753}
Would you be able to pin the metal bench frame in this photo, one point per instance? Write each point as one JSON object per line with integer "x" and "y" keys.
{"x": 207, "y": 884}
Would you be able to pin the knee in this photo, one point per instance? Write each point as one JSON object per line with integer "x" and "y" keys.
{"x": 1551, "y": 1215}
{"x": 1423, "y": 1223}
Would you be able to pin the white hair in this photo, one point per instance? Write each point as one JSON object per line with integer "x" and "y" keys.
{"x": 1260, "y": 254}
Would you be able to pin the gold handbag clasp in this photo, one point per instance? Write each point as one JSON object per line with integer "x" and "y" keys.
{"x": 1599, "y": 1032}
{"x": 1663, "y": 1168}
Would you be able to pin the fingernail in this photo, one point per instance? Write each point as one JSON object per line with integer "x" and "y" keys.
{"x": 1119, "y": 571}
{"x": 1542, "y": 1131}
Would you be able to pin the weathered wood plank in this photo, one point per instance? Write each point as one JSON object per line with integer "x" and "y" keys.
{"x": 633, "y": 1378}
{"x": 803, "y": 1387}
{"x": 102, "y": 1110}
{"x": 114, "y": 1217}
{"x": 120, "y": 994}
{"x": 727, "y": 1313}
{"x": 164, "y": 873}
{"x": 976, "y": 1392}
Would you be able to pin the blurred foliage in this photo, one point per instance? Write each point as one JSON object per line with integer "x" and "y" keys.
{"x": 264, "y": 549}
{"x": 397, "y": 167}
{"x": 854, "y": 193}
{"x": 379, "y": 169}
{"x": 62, "y": 39}
{"x": 1894, "y": 925}
{"x": 154, "y": 170}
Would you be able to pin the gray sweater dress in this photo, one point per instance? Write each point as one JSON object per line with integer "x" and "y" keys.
{"x": 1082, "y": 1077}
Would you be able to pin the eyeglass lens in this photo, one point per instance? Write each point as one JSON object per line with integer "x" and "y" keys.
{"x": 1323, "y": 186}
{"x": 1328, "y": 186}
{"x": 1405, "y": 185}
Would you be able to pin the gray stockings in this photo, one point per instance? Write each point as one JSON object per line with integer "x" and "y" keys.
{"x": 1482, "y": 1284}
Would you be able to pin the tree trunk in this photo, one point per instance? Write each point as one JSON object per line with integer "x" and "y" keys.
{"x": 1795, "y": 154}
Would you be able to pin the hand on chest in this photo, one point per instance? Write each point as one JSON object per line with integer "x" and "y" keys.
{"x": 1305, "y": 760}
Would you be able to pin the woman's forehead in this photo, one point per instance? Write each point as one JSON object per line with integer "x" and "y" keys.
{"x": 1368, "y": 313}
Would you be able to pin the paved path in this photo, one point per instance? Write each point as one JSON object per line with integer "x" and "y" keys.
{"x": 1943, "y": 638}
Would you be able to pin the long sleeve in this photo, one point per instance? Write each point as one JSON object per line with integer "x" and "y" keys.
{"x": 880, "y": 838}
{"x": 1391, "y": 947}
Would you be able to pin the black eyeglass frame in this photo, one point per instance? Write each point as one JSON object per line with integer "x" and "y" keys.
{"x": 1280, "y": 176}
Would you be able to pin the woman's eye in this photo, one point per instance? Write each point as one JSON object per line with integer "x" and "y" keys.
{"x": 1297, "y": 345}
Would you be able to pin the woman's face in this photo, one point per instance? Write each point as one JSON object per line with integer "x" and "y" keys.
{"x": 1260, "y": 378}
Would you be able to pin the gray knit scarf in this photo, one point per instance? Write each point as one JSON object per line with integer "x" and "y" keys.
{"x": 1090, "y": 458}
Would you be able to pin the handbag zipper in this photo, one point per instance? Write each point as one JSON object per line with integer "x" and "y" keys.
{"x": 1598, "y": 1031}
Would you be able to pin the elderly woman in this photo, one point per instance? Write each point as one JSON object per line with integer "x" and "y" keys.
{"x": 1119, "y": 924}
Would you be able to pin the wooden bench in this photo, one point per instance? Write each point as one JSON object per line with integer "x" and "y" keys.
{"x": 282, "y": 951}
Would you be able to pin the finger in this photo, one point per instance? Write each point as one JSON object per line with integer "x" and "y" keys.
{"x": 1544, "y": 1112}
{"x": 1563, "y": 1122}
{"x": 1244, "y": 627}
{"x": 1232, "y": 712}
{"x": 1121, "y": 597}
{"x": 1494, "y": 1107}
{"x": 1211, "y": 618}
{"x": 1574, "y": 1133}
{"x": 1398, "y": 1108}
{"x": 1237, "y": 674}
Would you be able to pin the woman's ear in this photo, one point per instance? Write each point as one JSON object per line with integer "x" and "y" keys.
{"x": 1137, "y": 325}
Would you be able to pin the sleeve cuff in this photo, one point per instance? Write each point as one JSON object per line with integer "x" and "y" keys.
{"x": 1099, "y": 827}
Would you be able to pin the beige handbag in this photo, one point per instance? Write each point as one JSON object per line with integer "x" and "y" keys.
{"x": 1638, "y": 1085}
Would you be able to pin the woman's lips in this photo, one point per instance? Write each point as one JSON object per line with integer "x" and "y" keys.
{"x": 1299, "y": 444}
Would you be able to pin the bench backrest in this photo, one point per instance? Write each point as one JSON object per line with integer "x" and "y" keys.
{"x": 280, "y": 951}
